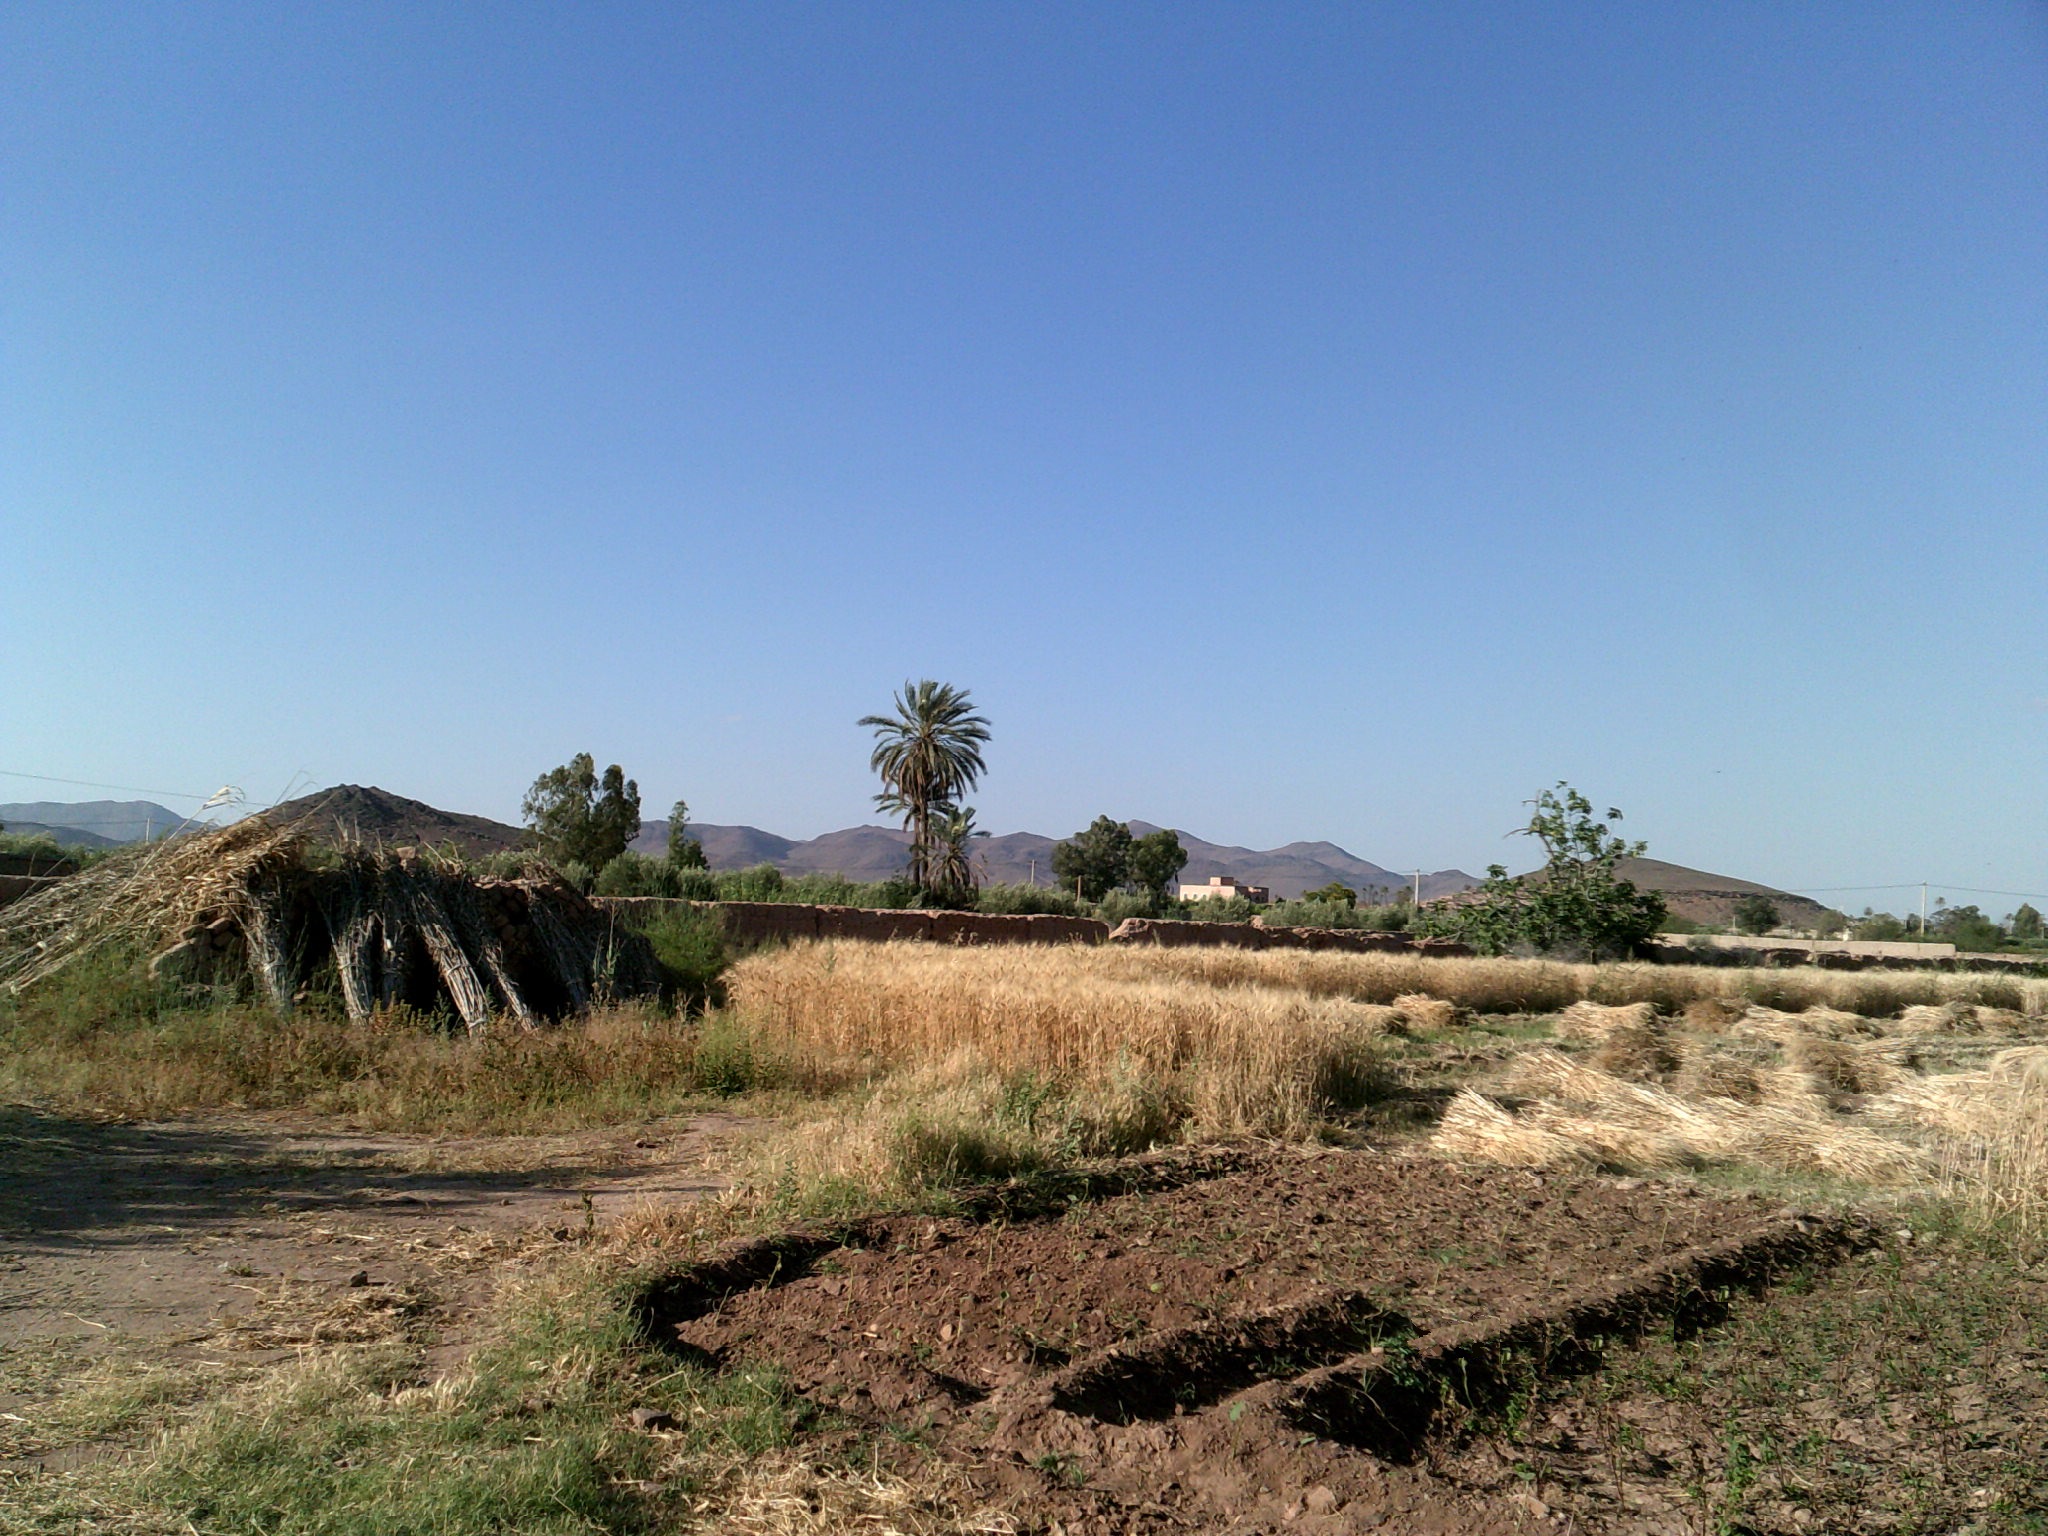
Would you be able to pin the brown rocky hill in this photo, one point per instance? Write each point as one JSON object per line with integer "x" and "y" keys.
{"x": 1710, "y": 899}
{"x": 384, "y": 820}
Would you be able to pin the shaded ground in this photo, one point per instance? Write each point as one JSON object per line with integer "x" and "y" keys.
{"x": 229, "y": 1241}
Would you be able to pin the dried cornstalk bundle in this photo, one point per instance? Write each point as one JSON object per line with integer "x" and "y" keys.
{"x": 253, "y": 901}
{"x": 143, "y": 897}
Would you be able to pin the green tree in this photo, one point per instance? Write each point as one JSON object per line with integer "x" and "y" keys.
{"x": 1097, "y": 860}
{"x": 1576, "y": 902}
{"x": 1968, "y": 929}
{"x": 684, "y": 851}
{"x": 576, "y": 817}
{"x": 1755, "y": 914}
{"x": 955, "y": 877}
{"x": 928, "y": 755}
{"x": 1830, "y": 924}
{"x": 2025, "y": 925}
{"x": 1336, "y": 894}
{"x": 1157, "y": 859}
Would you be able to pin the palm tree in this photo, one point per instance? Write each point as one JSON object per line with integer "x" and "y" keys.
{"x": 928, "y": 755}
{"x": 953, "y": 871}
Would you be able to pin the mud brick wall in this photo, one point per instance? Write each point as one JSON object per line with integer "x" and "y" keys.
{"x": 1171, "y": 934}
{"x": 748, "y": 923}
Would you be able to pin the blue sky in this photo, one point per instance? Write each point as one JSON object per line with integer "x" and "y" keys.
{"x": 1289, "y": 421}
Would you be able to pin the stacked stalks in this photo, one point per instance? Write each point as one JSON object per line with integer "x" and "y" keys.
{"x": 398, "y": 928}
{"x": 145, "y": 896}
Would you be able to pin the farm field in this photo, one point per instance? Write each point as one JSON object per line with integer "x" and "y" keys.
{"x": 904, "y": 1237}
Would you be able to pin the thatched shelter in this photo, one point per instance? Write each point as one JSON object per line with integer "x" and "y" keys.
{"x": 392, "y": 928}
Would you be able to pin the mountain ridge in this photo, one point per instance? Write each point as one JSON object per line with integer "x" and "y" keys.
{"x": 114, "y": 821}
{"x": 877, "y": 853}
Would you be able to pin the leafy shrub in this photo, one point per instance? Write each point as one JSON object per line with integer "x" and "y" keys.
{"x": 1393, "y": 918}
{"x": 635, "y": 874}
{"x": 1019, "y": 900}
{"x": 1576, "y": 904}
{"x": 691, "y": 952}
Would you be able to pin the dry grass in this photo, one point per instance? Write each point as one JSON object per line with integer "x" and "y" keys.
{"x": 1990, "y": 1132}
{"x": 1548, "y": 986}
{"x": 394, "y": 1072}
{"x": 789, "y": 1495}
{"x": 1238, "y": 1059}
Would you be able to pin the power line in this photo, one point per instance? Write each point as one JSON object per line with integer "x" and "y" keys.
{"x": 1913, "y": 885}
{"x": 133, "y": 789}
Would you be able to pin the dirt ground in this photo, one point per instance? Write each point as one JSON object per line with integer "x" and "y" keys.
{"x": 1356, "y": 1341}
{"x": 249, "y": 1238}
{"x": 1243, "y": 1340}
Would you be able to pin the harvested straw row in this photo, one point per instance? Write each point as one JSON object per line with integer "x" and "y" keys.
{"x": 1990, "y": 1130}
{"x": 1582, "y": 1115}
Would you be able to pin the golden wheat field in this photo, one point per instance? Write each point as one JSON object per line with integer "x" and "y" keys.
{"x": 1887, "y": 1079}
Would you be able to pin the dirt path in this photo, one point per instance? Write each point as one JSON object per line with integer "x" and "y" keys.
{"x": 262, "y": 1235}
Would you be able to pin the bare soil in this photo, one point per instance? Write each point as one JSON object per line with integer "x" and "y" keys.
{"x": 1287, "y": 1343}
{"x": 251, "y": 1237}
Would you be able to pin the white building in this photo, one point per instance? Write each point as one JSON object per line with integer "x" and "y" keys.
{"x": 1223, "y": 888}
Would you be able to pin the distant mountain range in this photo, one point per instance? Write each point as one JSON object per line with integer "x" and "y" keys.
{"x": 1017, "y": 858}
{"x": 91, "y": 823}
{"x": 378, "y": 816}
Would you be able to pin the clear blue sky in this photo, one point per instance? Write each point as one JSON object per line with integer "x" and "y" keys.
{"x": 1289, "y": 421}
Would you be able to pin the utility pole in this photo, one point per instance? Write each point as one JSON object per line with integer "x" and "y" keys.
{"x": 1923, "y": 909}
{"x": 1418, "y": 890}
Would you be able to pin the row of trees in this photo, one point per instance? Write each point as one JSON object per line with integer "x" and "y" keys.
{"x": 1966, "y": 927}
{"x": 1107, "y": 857}
{"x": 928, "y": 755}
{"x": 579, "y": 817}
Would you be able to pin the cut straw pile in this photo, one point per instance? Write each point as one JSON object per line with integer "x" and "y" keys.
{"x": 143, "y": 897}
{"x": 1990, "y": 1131}
{"x": 1582, "y": 1116}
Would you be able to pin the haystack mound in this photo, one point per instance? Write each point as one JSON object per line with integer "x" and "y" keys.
{"x": 1828, "y": 1023}
{"x": 1421, "y": 1011}
{"x": 260, "y": 900}
{"x": 1713, "y": 1015}
{"x": 1596, "y": 1021}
